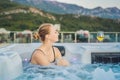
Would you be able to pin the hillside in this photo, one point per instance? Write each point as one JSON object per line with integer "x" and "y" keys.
{"x": 64, "y": 8}
{"x": 18, "y": 17}
{"x": 77, "y": 22}
{"x": 14, "y": 16}
{"x": 8, "y": 5}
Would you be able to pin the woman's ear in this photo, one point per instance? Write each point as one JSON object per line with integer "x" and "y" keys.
{"x": 47, "y": 36}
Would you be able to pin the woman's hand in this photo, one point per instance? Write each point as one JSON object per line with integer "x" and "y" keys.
{"x": 62, "y": 62}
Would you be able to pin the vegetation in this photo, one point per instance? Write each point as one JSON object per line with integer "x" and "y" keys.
{"x": 22, "y": 21}
{"x": 6, "y": 5}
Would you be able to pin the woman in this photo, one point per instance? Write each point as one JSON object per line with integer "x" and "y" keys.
{"x": 46, "y": 53}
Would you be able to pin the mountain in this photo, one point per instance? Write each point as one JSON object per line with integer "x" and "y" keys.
{"x": 16, "y": 17}
{"x": 63, "y": 8}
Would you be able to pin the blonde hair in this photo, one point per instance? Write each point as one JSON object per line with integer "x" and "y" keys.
{"x": 43, "y": 30}
{"x": 36, "y": 36}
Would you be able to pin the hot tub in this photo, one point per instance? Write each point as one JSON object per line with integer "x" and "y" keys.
{"x": 79, "y": 54}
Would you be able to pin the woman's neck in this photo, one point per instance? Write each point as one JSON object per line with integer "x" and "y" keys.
{"x": 47, "y": 45}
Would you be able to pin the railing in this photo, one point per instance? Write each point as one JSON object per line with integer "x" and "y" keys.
{"x": 75, "y": 37}
{"x": 64, "y": 37}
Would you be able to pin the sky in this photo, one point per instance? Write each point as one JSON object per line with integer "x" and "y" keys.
{"x": 93, "y": 3}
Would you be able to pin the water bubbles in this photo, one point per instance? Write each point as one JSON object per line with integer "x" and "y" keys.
{"x": 73, "y": 72}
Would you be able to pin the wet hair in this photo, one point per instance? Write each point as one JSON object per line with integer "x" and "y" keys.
{"x": 43, "y": 30}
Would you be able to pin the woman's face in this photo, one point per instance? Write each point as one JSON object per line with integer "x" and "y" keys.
{"x": 53, "y": 35}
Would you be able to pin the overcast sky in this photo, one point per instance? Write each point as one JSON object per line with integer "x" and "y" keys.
{"x": 94, "y": 3}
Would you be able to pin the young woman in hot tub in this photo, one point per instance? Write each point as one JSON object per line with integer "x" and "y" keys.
{"x": 46, "y": 54}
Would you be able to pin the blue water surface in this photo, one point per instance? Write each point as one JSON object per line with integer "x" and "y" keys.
{"x": 76, "y": 71}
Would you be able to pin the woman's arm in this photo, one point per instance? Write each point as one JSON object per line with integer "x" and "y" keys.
{"x": 40, "y": 59}
{"x": 60, "y": 60}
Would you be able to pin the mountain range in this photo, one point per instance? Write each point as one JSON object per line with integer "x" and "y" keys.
{"x": 63, "y": 8}
{"x": 17, "y": 17}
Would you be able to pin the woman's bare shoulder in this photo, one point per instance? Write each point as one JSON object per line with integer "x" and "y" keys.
{"x": 40, "y": 58}
{"x": 38, "y": 53}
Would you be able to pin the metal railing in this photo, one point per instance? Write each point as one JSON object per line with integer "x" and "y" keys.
{"x": 64, "y": 37}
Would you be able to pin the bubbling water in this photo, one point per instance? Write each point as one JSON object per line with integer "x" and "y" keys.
{"x": 76, "y": 71}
